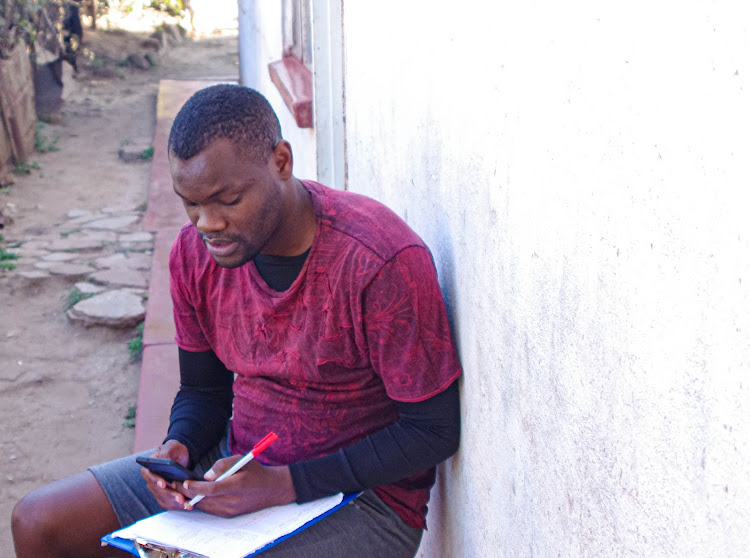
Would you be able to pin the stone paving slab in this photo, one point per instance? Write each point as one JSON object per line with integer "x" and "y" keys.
{"x": 83, "y": 241}
{"x": 36, "y": 245}
{"x": 136, "y": 260}
{"x": 120, "y": 277}
{"x": 136, "y": 246}
{"x": 24, "y": 252}
{"x": 137, "y": 237}
{"x": 111, "y": 308}
{"x": 82, "y": 253}
{"x": 59, "y": 257}
{"x": 78, "y": 213}
{"x": 121, "y": 222}
{"x": 34, "y": 275}
{"x": 89, "y": 288}
{"x": 113, "y": 260}
{"x": 44, "y": 265}
{"x": 69, "y": 269}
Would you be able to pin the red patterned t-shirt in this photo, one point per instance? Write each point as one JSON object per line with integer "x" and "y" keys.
{"x": 320, "y": 364}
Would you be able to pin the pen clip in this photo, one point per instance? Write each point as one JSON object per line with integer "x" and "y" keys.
{"x": 269, "y": 439}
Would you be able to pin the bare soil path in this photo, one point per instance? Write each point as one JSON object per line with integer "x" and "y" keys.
{"x": 65, "y": 390}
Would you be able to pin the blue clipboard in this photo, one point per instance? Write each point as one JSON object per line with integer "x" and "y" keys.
{"x": 129, "y": 546}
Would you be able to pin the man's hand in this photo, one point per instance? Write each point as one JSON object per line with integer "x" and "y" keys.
{"x": 167, "y": 494}
{"x": 252, "y": 488}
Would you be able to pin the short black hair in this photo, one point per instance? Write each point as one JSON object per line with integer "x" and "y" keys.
{"x": 237, "y": 113}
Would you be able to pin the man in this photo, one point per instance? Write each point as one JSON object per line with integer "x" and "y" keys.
{"x": 299, "y": 309}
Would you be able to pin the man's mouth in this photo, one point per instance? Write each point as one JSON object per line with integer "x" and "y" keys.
{"x": 219, "y": 247}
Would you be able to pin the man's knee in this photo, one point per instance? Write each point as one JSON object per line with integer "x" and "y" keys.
{"x": 33, "y": 520}
{"x": 62, "y": 518}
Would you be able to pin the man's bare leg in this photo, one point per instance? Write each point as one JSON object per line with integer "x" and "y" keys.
{"x": 64, "y": 519}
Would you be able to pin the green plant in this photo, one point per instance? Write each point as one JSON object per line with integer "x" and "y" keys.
{"x": 147, "y": 154}
{"x": 5, "y": 257}
{"x": 129, "y": 418}
{"x": 41, "y": 142}
{"x": 75, "y": 296}
{"x": 135, "y": 346}
{"x": 142, "y": 206}
{"x": 127, "y": 8}
{"x": 172, "y": 7}
{"x": 22, "y": 168}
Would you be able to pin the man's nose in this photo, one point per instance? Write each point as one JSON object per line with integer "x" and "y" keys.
{"x": 209, "y": 220}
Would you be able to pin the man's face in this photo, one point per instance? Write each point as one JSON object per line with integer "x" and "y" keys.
{"x": 234, "y": 203}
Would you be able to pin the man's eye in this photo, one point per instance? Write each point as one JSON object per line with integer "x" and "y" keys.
{"x": 234, "y": 201}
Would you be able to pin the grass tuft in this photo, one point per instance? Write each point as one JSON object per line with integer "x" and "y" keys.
{"x": 147, "y": 154}
{"x": 75, "y": 296}
{"x": 129, "y": 418}
{"x": 135, "y": 346}
{"x": 42, "y": 144}
{"x": 5, "y": 258}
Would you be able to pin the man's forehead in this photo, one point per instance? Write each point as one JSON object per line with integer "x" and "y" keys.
{"x": 221, "y": 161}
{"x": 223, "y": 149}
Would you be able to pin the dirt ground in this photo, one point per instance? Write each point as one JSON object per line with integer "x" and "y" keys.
{"x": 65, "y": 390}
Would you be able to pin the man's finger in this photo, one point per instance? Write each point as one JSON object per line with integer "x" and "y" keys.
{"x": 152, "y": 478}
{"x": 220, "y": 467}
{"x": 191, "y": 489}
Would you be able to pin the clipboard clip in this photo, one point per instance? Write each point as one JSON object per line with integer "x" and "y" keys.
{"x": 148, "y": 549}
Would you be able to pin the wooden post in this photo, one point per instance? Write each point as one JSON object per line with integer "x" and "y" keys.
{"x": 92, "y": 12}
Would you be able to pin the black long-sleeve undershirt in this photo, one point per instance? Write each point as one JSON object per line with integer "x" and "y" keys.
{"x": 203, "y": 405}
{"x": 426, "y": 433}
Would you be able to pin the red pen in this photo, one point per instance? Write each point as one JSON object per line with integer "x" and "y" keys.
{"x": 258, "y": 448}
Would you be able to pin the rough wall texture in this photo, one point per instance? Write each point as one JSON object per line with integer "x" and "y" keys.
{"x": 580, "y": 172}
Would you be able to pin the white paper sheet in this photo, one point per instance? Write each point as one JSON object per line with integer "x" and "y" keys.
{"x": 217, "y": 537}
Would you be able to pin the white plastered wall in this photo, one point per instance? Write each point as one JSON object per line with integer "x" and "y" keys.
{"x": 580, "y": 171}
{"x": 260, "y": 43}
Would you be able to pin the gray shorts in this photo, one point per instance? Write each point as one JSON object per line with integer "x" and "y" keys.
{"x": 124, "y": 486}
{"x": 365, "y": 527}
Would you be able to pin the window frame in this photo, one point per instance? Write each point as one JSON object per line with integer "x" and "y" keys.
{"x": 292, "y": 75}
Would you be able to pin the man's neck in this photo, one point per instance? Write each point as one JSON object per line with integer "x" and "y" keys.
{"x": 297, "y": 228}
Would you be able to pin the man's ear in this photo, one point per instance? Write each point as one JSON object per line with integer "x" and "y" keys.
{"x": 283, "y": 160}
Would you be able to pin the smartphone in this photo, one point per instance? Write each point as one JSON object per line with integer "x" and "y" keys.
{"x": 167, "y": 469}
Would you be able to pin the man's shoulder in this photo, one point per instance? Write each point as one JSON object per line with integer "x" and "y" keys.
{"x": 363, "y": 221}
